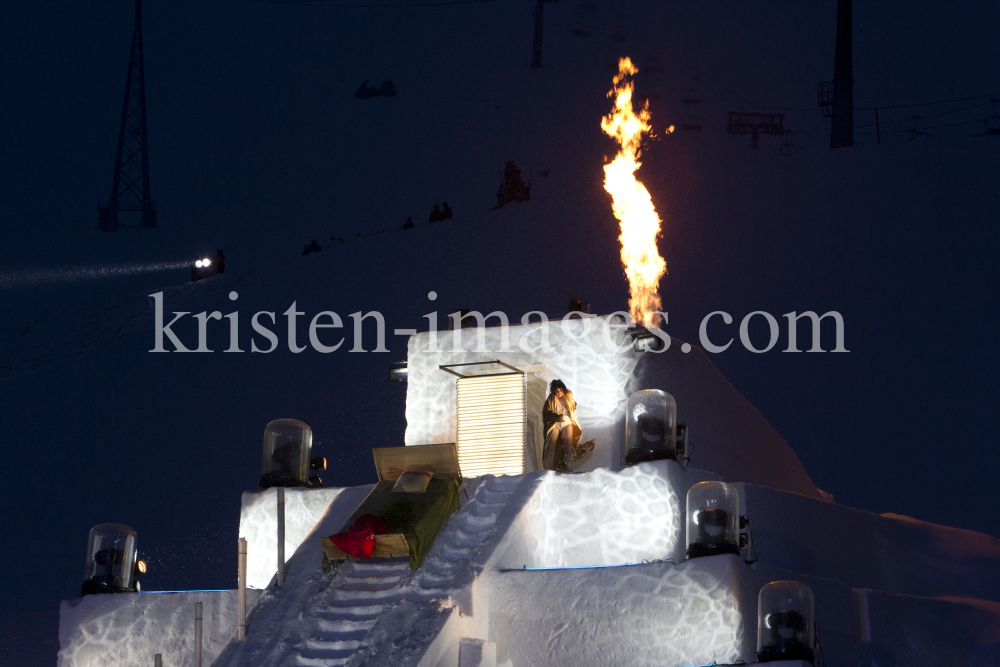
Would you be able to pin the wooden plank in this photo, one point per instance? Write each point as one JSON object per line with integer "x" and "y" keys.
{"x": 386, "y": 546}
{"x": 441, "y": 459}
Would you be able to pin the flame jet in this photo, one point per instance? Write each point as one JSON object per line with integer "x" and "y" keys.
{"x": 640, "y": 225}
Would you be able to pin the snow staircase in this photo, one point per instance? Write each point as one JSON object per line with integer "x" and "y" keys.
{"x": 363, "y": 615}
{"x": 358, "y": 594}
{"x": 456, "y": 546}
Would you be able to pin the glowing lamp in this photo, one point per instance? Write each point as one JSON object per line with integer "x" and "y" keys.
{"x": 111, "y": 565}
{"x": 492, "y": 418}
{"x": 786, "y": 622}
{"x": 650, "y": 426}
{"x": 713, "y": 517}
{"x": 286, "y": 462}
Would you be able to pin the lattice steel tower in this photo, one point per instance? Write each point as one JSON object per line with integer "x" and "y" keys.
{"x": 130, "y": 187}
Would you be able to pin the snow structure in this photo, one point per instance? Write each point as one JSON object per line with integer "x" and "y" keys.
{"x": 584, "y": 569}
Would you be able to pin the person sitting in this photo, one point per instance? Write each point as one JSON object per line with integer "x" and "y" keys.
{"x": 219, "y": 262}
{"x": 435, "y": 215}
{"x": 446, "y": 212}
{"x": 408, "y": 224}
{"x": 312, "y": 246}
{"x": 562, "y": 432}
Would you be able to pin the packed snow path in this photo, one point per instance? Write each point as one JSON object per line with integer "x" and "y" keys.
{"x": 359, "y": 592}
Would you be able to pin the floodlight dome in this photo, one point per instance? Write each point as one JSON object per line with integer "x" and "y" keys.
{"x": 786, "y": 623}
{"x": 650, "y": 426}
{"x": 713, "y": 518}
{"x": 111, "y": 554}
{"x": 287, "y": 444}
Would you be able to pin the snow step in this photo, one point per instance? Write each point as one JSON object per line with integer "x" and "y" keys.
{"x": 345, "y": 627}
{"x": 304, "y": 661}
{"x": 348, "y": 598}
{"x": 379, "y": 568}
{"x": 369, "y": 583}
{"x": 332, "y": 646}
{"x": 355, "y": 613}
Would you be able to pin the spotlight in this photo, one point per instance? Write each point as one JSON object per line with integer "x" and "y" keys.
{"x": 713, "y": 514}
{"x": 398, "y": 372}
{"x": 286, "y": 461}
{"x": 650, "y": 426}
{"x": 785, "y": 622}
{"x": 111, "y": 560}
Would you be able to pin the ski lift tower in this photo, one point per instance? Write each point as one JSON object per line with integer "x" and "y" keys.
{"x": 842, "y": 127}
{"x": 130, "y": 185}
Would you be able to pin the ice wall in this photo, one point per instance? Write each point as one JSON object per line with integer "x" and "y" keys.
{"x": 578, "y": 352}
{"x": 691, "y": 613}
{"x": 259, "y": 525}
{"x": 605, "y": 517}
{"x": 131, "y": 628}
{"x": 596, "y": 362}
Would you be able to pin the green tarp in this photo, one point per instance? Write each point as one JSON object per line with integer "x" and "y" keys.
{"x": 419, "y": 516}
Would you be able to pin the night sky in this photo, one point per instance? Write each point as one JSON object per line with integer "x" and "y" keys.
{"x": 257, "y": 144}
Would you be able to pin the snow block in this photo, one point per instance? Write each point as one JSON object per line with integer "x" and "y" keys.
{"x": 732, "y": 438}
{"x": 604, "y": 517}
{"x": 693, "y": 613}
{"x": 259, "y": 525}
{"x": 129, "y": 629}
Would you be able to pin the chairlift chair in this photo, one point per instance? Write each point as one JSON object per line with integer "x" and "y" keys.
{"x": 787, "y": 147}
{"x": 916, "y": 133}
{"x": 691, "y": 97}
{"x": 825, "y": 98}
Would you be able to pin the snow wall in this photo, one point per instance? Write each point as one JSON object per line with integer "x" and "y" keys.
{"x": 259, "y": 525}
{"x": 595, "y": 360}
{"x": 681, "y": 612}
{"x": 131, "y": 628}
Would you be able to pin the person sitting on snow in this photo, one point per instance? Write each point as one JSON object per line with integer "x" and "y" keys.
{"x": 435, "y": 215}
{"x": 446, "y": 212}
{"x": 408, "y": 224}
{"x": 562, "y": 431}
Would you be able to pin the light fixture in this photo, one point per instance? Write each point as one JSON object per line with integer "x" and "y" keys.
{"x": 644, "y": 340}
{"x": 713, "y": 519}
{"x": 286, "y": 462}
{"x": 111, "y": 560}
{"x": 786, "y": 623}
{"x": 492, "y": 418}
{"x": 398, "y": 372}
{"x": 650, "y": 426}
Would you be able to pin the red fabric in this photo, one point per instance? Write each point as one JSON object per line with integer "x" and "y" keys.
{"x": 359, "y": 540}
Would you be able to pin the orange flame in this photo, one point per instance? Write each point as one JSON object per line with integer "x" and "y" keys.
{"x": 640, "y": 225}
